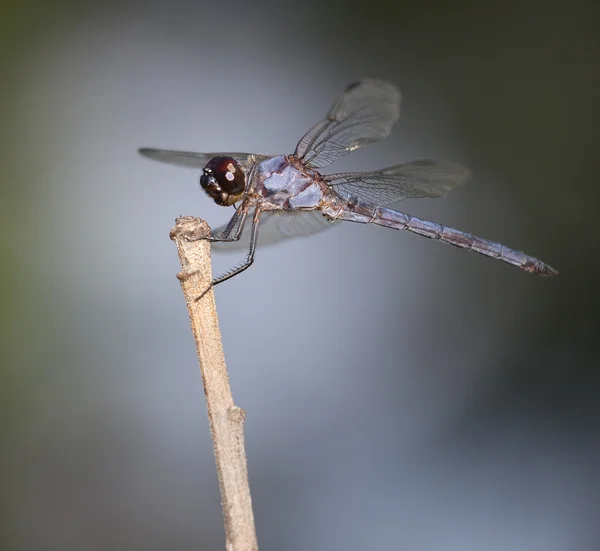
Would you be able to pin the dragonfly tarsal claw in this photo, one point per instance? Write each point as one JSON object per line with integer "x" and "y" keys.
{"x": 194, "y": 237}
{"x": 203, "y": 293}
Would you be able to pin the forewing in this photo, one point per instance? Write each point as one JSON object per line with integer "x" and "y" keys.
{"x": 424, "y": 178}
{"x": 190, "y": 159}
{"x": 276, "y": 227}
{"x": 364, "y": 113}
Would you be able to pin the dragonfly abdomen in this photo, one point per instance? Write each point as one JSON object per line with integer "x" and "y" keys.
{"x": 400, "y": 221}
{"x": 358, "y": 212}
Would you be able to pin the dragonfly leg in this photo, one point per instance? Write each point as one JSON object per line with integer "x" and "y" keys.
{"x": 234, "y": 228}
{"x": 233, "y": 231}
{"x": 249, "y": 258}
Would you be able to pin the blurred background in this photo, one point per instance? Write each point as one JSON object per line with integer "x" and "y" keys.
{"x": 400, "y": 394}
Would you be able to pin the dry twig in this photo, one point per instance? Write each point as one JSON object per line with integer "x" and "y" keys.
{"x": 226, "y": 420}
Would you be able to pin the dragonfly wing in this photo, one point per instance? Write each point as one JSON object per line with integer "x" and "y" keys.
{"x": 277, "y": 226}
{"x": 191, "y": 159}
{"x": 423, "y": 178}
{"x": 364, "y": 113}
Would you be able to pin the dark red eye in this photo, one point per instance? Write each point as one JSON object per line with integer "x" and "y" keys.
{"x": 223, "y": 180}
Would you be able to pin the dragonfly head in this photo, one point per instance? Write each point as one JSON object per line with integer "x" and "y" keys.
{"x": 223, "y": 180}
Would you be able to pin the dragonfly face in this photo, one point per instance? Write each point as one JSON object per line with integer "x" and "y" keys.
{"x": 266, "y": 186}
{"x": 223, "y": 180}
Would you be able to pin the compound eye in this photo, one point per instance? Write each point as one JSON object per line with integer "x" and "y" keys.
{"x": 228, "y": 174}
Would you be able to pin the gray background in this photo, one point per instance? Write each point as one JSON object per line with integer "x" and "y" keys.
{"x": 400, "y": 394}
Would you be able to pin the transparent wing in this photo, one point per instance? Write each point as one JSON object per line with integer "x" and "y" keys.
{"x": 190, "y": 159}
{"x": 276, "y": 227}
{"x": 424, "y": 178}
{"x": 364, "y": 113}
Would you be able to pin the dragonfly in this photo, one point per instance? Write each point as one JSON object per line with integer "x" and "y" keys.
{"x": 286, "y": 196}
